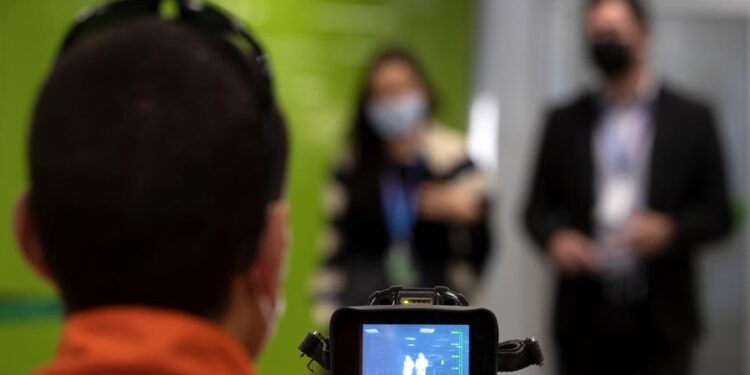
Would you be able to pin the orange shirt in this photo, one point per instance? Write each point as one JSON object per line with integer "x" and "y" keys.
{"x": 145, "y": 341}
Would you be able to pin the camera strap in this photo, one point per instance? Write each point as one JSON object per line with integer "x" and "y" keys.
{"x": 514, "y": 355}
{"x": 316, "y": 347}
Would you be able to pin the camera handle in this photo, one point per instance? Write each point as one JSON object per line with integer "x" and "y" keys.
{"x": 512, "y": 355}
{"x": 317, "y": 348}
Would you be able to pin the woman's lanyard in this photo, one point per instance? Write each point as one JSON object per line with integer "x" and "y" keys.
{"x": 399, "y": 203}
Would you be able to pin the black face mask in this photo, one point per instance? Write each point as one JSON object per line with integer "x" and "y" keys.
{"x": 612, "y": 58}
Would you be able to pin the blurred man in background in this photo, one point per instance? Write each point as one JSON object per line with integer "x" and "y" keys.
{"x": 156, "y": 204}
{"x": 629, "y": 181}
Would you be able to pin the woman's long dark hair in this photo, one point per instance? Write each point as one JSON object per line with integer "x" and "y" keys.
{"x": 366, "y": 146}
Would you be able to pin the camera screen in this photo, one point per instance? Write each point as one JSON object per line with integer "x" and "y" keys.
{"x": 415, "y": 349}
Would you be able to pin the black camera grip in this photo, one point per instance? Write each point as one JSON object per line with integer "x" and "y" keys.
{"x": 316, "y": 347}
{"x": 514, "y": 355}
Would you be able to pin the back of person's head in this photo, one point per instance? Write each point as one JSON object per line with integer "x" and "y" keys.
{"x": 149, "y": 171}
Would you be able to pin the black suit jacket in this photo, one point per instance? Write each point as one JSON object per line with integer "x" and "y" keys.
{"x": 686, "y": 180}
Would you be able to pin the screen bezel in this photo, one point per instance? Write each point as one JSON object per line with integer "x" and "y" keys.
{"x": 347, "y": 323}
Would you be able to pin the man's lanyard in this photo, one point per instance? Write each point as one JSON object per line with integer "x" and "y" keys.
{"x": 623, "y": 142}
{"x": 624, "y": 138}
{"x": 399, "y": 202}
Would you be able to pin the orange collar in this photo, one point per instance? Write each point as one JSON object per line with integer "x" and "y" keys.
{"x": 136, "y": 340}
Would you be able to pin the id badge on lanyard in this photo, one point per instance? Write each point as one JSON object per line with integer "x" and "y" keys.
{"x": 623, "y": 149}
{"x": 399, "y": 211}
{"x": 617, "y": 199}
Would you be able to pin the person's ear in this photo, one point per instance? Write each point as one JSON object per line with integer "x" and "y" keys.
{"x": 267, "y": 271}
{"x": 27, "y": 237}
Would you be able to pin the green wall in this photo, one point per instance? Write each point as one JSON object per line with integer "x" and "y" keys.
{"x": 318, "y": 49}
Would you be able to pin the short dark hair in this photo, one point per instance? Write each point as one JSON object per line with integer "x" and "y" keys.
{"x": 637, "y": 8}
{"x": 147, "y": 169}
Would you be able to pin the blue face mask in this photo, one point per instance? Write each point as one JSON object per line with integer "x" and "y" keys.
{"x": 394, "y": 118}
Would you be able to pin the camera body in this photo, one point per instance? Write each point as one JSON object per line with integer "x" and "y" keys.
{"x": 410, "y": 330}
{"x": 378, "y": 339}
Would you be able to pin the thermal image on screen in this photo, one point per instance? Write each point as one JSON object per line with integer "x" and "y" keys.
{"x": 415, "y": 349}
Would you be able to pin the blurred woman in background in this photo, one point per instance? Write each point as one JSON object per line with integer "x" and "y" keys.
{"x": 406, "y": 205}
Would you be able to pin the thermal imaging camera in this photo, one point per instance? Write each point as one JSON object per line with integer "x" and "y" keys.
{"x": 414, "y": 332}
